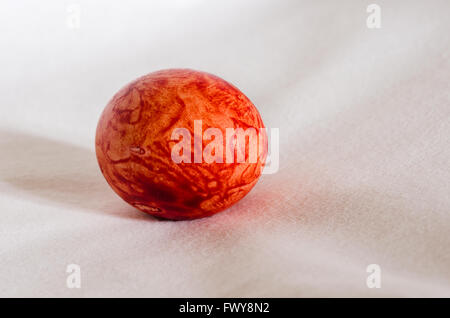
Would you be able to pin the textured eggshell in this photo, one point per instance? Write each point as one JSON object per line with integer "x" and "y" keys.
{"x": 133, "y": 144}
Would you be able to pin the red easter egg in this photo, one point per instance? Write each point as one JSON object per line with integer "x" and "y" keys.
{"x": 180, "y": 144}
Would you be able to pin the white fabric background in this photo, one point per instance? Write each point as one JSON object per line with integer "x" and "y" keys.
{"x": 364, "y": 118}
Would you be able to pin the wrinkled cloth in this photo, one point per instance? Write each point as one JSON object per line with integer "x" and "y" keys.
{"x": 364, "y": 157}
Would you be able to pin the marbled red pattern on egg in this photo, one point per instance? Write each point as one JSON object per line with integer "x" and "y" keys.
{"x": 133, "y": 144}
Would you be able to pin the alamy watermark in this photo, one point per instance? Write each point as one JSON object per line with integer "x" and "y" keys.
{"x": 374, "y": 279}
{"x": 74, "y": 278}
{"x": 239, "y": 145}
{"x": 374, "y": 19}
{"x": 73, "y": 18}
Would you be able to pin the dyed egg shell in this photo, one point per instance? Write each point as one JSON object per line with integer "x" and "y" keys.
{"x": 135, "y": 144}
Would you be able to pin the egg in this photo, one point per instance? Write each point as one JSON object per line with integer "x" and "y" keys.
{"x": 181, "y": 144}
